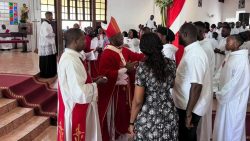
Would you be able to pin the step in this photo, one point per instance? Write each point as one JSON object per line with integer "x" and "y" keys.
{"x": 7, "y": 105}
{"x": 12, "y": 119}
{"x": 50, "y": 134}
{"x": 28, "y": 130}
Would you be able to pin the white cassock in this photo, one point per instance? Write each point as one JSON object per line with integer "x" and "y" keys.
{"x": 246, "y": 45}
{"x": 234, "y": 31}
{"x": 134, "y": 45}
{"x": 93, "y": 45}
{"x": 209, "y": 35}
{"x": 204, "y": 129}
{"x": 232, "y": 98}
{"x": 169, "y": 51}
{"x": 78, "y": 117}
{"x": 219, "y": 57}
{"x": 47, "y": 43}
{"x": 150, "y": 24}
{"x": 214, "y": 43}
{"x": 101, "y": 41}
{"x": 219, "y": 34}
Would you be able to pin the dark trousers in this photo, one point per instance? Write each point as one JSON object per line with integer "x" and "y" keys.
{"x": 48, "y": 66}
{"x": 186, "y": 134}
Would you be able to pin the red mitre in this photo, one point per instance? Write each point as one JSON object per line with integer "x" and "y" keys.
{"x": 113, "y": 28}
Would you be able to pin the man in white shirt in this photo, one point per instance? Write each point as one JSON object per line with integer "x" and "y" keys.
{"x": 234, "y": 85}
{"x": 47, "y": 49}
{"x": 151, "y": 23}
{"x": 77, "y": 94}
{"x": 204, "y": 130}
{"x": 191, "y": 91}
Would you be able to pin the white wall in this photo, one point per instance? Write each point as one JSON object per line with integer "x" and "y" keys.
{"x": 209, "y": 7}
{"x": 130, "y": 13}
{"x": 230, "y": 10}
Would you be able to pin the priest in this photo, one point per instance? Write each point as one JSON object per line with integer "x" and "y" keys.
{"x": 118, "y": 64}
{"x": 77, "y": 95}
{"x": 233, "y": 93}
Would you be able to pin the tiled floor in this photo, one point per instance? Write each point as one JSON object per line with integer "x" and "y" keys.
{"x": 18, "y": 63}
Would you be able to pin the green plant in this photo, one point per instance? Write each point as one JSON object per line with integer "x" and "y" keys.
{"x": 163, "y": 4}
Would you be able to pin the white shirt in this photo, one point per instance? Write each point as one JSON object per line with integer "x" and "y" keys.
{"x": 134, "y": 44}
{"x": 150, "y": 24}
{"x": 169, "y": 51}
{"x": 193, "y": 68}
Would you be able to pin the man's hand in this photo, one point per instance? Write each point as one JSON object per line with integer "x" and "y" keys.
{"x": 101, "y": 80}
{"x": 131, "y": 65}
{"x": 189, "y": 123}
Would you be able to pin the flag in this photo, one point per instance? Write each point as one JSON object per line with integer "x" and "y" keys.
{"x": 176, "y": 17}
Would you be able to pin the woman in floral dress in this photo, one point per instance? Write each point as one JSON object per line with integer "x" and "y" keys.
{"x": 154, "y": 116}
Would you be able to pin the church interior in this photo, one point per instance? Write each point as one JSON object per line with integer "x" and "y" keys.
{"x": 28, "y": 102}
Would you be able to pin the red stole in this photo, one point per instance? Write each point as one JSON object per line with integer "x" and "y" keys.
{"x": 79, "y": 115}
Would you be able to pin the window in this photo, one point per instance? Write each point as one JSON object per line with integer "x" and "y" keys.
{"x": 64, "y": 9}
{"x": 87, "y": 11}
{"x": 4, "y": 12}
{"x": 100, "y": 10}
{"x": 77, "y": 10}
{"x": 8, "y": 13}
{"x": 47, "y": 5}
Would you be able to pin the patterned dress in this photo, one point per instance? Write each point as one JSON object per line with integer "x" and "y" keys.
{"x": 158, "y": 118}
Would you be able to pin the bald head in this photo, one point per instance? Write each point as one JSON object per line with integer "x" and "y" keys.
{"x": 187, "y": 34}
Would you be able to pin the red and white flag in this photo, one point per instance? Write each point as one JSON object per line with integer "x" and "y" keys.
{"x": 176, "y": 17}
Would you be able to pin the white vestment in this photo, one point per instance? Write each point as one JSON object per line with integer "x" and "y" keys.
{"x": 219, "y": 57}
{"x": 72, "y": 78}
{"x": 47, "y": 43}
{"x": 204, "y": 129}
{"x": 214, "y": 43}
{"x": 134, "y": 45}
{"x": 169, "y": 51}
{"x": 232, "y": 98}
{"x": 93, "y": 45}
{"x": 150, "y": 24}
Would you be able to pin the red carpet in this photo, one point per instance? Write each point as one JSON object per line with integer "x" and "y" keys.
{"x": 30, "y": 93}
